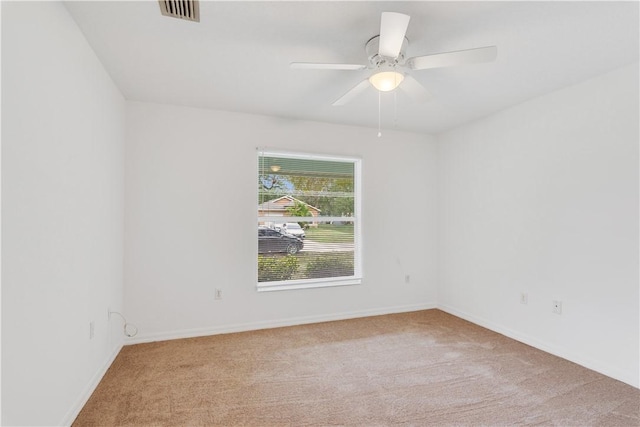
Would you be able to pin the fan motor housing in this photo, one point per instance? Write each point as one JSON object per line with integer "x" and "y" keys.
{"x": 376, "y": 60}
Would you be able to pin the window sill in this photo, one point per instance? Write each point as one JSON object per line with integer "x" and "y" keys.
{"x": 307, "y": 284}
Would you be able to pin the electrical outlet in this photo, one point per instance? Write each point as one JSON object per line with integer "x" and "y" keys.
{"x": 218, "y": 293}
{"x": 524, "y": 298}
{"x": 407, "y": 279}
{"x": 92, "y": 329}
{"x": 557, "y": 307}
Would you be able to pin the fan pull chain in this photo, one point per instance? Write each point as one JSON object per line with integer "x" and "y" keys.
{"x": 379, "y": 115}
{"x": 395, "y": 100}
{"x": 395, "y": 108}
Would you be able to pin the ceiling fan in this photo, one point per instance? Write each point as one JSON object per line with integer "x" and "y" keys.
{"x": 387, "y": 61}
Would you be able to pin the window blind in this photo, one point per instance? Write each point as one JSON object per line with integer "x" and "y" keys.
{"x": 308, "y": 220}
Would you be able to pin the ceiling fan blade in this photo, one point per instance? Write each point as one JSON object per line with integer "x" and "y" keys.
{"x": 352, "y": 93}
{"x": 393, "y": 27}
{"x": 448, "y": 59}
{"x": 415, "y": 90}
{"x": 321, "y": 66}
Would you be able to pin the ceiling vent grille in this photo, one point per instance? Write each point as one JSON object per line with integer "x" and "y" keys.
{"x": 183, "y": 9}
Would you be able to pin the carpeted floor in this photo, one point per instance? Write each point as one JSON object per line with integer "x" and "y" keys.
{"x": 421, "y": 368}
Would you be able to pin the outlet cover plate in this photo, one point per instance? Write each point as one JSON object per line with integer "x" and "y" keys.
{"x": 557, "y": 307}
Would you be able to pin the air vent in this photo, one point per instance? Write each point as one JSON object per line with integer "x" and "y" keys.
{"x": 183, "y": 9}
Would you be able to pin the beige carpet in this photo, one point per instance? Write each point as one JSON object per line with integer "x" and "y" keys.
{"x": 421, "y": 368}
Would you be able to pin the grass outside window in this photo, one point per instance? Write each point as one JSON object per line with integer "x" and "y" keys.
{"x": 330, "y": 233}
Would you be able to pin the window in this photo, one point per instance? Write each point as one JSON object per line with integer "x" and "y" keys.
{"x": 308, "y": 221}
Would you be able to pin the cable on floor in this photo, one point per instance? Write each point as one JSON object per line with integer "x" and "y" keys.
{"x": 129, "y": 329}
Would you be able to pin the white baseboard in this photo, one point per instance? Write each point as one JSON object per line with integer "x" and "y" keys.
{"x": 71, "y": 415}
{"x": 253, "y": 326}
{"x": 600, "y": 367}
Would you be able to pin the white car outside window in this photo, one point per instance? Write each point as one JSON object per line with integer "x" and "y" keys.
{"x": 294, "y": 229}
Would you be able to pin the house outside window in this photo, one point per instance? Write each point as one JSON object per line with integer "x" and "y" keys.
{"x": 308, "y": 221}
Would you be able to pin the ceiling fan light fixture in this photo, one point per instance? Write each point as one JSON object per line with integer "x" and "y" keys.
{"x": 386, "y": 81}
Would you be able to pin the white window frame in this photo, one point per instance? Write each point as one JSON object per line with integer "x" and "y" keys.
{"x": 356, "y": 279}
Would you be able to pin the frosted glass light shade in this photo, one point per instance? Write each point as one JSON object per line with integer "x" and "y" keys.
{"x": 386, "y": 81}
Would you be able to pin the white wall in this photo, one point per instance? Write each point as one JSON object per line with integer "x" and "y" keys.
{"x": 191, "y": 194}
{"x": 62, "y": 215}
{"x": 543, "y": 198}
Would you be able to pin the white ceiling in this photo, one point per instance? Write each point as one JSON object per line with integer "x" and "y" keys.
{"x": 237, "y": 58}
